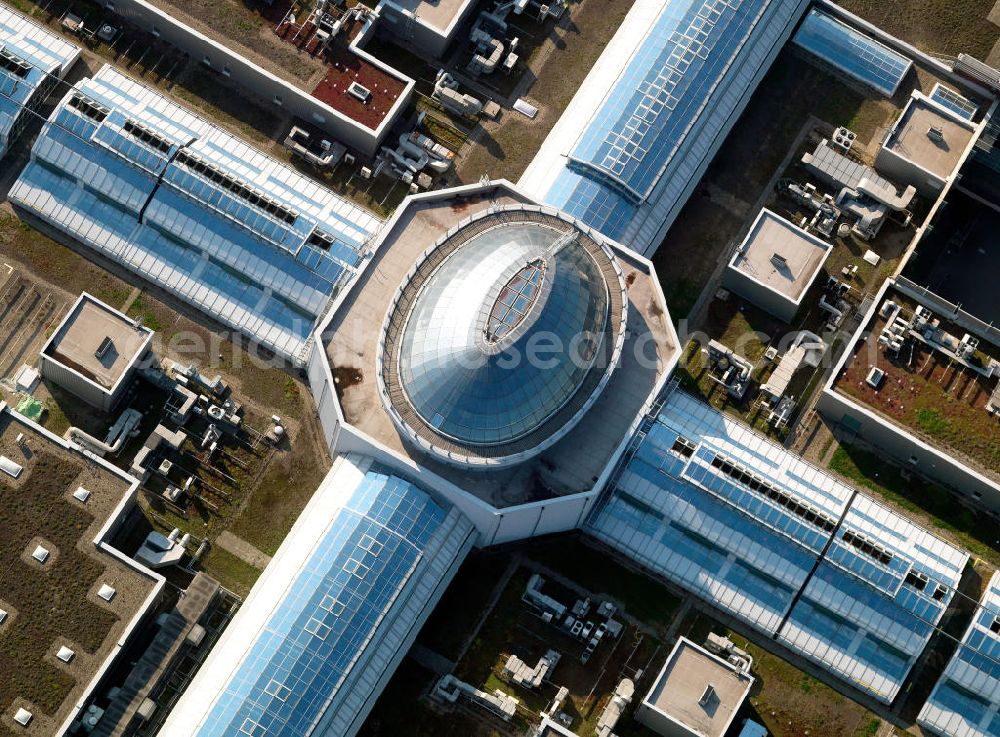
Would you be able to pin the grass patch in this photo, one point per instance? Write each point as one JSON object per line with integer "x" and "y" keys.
{"x": 870, "y": 728}
{"x": 938, "y": 26}
{"x": 681, "y": 296}
{"x": 149, "y": 318}
{"x": 234, "y": 573}
{"x": 286, "y": 487}
{"x": 459, "y": 610}
{"x": 51, "y": 602}
{"x": 931, "y": 421}
{"x": 935, "y": 506}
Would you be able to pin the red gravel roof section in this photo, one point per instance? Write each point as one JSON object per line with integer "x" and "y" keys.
{"x": 346, "y": 67}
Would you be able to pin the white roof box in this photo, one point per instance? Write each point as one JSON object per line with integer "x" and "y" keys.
{"x": 10, "y": 468}
{"x": 107, "y": 592}
{"x": 23, "y": 717}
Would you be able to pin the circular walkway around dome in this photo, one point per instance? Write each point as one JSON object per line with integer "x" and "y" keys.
{"x": 502, "y": 336}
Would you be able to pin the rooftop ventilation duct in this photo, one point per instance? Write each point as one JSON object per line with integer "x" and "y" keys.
{"x": 708, "y": 696}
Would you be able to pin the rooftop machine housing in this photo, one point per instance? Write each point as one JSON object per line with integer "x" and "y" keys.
{"x": 425, "y": 24}
{"x": 696, "y": 694}
{"x": 926, "y": 145}
{"x": 776, "y": 264}
{"x": 32, "y": 61}
{"x": 94, "y": 352}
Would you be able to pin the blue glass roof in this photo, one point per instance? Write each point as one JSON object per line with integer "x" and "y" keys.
{"x": 698, "y": 540}
{"x": 30, "y": 53}
{"x": 854, "y": 53}
{"x": 666, "y": 84}
{"x": 769, "y": 538}
{"x": 966, "y": 700}
{"x": 630, "y": 169}
{"x": 353, "y": 579}
{"x": 472, "y": 376}
{"x": 194, "y": 209}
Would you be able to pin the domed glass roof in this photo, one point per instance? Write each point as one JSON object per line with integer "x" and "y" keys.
{"x": 503, "y": 332}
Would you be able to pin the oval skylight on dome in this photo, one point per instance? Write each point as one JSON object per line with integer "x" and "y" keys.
{"x": 515, "y": 300}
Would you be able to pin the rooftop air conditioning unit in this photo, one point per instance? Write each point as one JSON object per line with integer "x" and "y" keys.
{"x": 844, "y": 138}
{"x": 935, "y": 133}
{"x": 874, "y": 378}
{"x": 359, "y": 91}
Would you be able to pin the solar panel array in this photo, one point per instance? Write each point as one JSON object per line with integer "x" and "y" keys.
{"x": 956, "y": 103}
{"x": 785, "y": 547}
{"x": 855, "y": 54}
{"x": 193, "y": 209}
{"x": 32, "y": 58}
{"x": 658, "y": 125}
{"x": 368, "y": 582}
{"x": 966, "y": 700}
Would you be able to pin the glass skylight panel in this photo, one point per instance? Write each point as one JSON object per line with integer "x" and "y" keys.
{"x": 966, "y": 700}
{"x": 948, "y": 98}
{"x": 860, "y": 57}
{"x": 322, "y": 630}
{"x": 224, "y": 221}
{"x": 728, "y": 514}
{"x": 515, "y": 300}
{"x": 662, "y": 90}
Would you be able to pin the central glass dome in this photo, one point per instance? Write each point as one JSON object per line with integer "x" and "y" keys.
{"x": 502, "y": 333}
{"x": 490, "y": 349}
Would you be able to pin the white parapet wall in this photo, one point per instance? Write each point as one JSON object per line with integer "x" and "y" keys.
{"x": 264, "y": 84}
{"x": 895, "y": 441}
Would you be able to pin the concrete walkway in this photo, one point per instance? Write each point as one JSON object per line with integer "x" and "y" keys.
{"x": 242, "y": 550}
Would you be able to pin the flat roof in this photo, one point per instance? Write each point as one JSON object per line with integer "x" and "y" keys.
{"x": 78, "y": 340}
{"x": 571, "y": 465}
{"x": 927, "y": 393}
{"x": 55, "y": 604}
{"x": 681, "y": 684}
{"x": 780, "y": 255}
{"x": 439, "y": 14}
{"x": 293, "y": 48}
{"x": 910, "y": 139}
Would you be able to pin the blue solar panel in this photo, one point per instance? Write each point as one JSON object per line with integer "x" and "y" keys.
{"x": 854, "y": 53}
{"x": 334, "y": 607}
